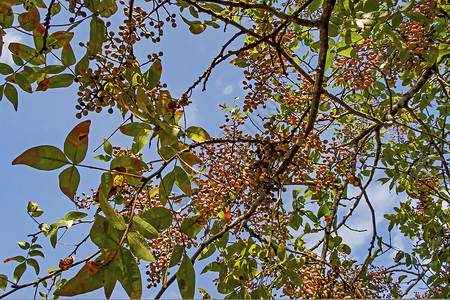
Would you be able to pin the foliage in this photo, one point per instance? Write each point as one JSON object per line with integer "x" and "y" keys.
{"x": 362, "y": 92}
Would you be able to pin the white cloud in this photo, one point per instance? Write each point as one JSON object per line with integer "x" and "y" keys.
{"x": 228, "y": 90}
{"x": 7, "y": 39}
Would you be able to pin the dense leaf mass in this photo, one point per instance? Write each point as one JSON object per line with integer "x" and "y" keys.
{"x": 361, "y": 90}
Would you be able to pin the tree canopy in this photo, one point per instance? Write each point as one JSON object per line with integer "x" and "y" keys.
{"x": 361, "y": 90}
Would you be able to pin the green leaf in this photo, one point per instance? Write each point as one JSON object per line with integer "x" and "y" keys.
{"x": 371, "y": 5}
{"x": 191, "y": 227}
{"x": 42, "y": 158}
{"x": 67, "y": 56}
{"x": 159, "y": 217}
{"x": 207, "y": 252}
{"x": 30, "y": 19}
{"x": 352, "y": 37}
{"x": 107, "y": 8}
{"x": 82, "y": 65}
{"x": 314, "y": 5}
{"x": 144, "y": 102}
{"x": 197, "y": 134}
{"x": 150, "y": 79}
{"x": 186, "y": 278}
{"x": 114, "y": 218}
{"x": 3, "y": 281}
{"x": 22, "y": 82}
{"x": 144, "y": 228}
{"x": 97, "y": 35}
{"x": 26, "y": 53}
{"x": 18, "y": 258}
{"x": 68, "y": 181}
{"x": 135, "y": 129}
{"x": 107, "y": 147}
{"x": 345, "y": 50}
{"x": 19, "y": 270}
{"x": 107, "y": 183}
{"x": 177, "y": 253}
{"x": 104, "y": 235}
{"x": 131, "y": 275}
{"x": 103, "y": 157}
{"x": 76, "y": 143}
{"x": 138, "y": 143}
{"x": 139, "y": 247}
{"x": 129, "y": 163}
{"x": 5, "y": 69}
{"x": 110, "y": 282}
{"x": 34, "y": 209}
{"x": 24, "y": 245}
{"x": 88, "y": 279}
{"x": 182, "y": 180}
{"x": 36, "y": 253}
{"x": 196, "y": 27}
{"x": 33, "y": 263}
{"x": 281, "y": 253}
{"x": 75, "y": 215}
{"x": 11, "y": 94}
{"x": 222, "y": 241}
{"x": 166, "y": 187}
{"x": 57, "y": 81}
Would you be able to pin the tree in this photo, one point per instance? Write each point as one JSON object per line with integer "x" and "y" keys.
{"x": 362, "y": 93}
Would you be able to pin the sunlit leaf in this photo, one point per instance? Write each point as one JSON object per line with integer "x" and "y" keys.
{"x": 144, "y": 102}
{"x": 135, "y": 129}
{"x": 75, "y": 215}
{"x": 207, "y": 252}
{"x": 42, "y": 158}
{"x": 139, "y": 246}
{"x": 19, "y": 270}
{"x": 186, "y": 278}
{"x": 150, "y": 79}
{"x": 34, "y": 209}
{"x": 197, "y": 134}
{"x": 68, "y": 181}
{"x": 3, "y": 281}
